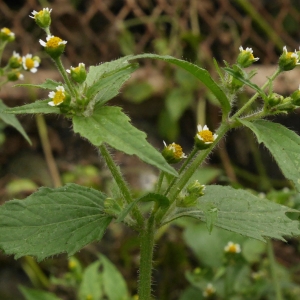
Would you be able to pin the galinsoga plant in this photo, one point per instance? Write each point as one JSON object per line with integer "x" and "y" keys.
{"x": 65, "y": 219}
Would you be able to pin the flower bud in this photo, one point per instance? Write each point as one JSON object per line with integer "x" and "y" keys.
{"x": 15, "y": 61}
{"x": 42, "y": 18}
{"x": 6, "y": 35}
{"x": 78, "y": 74}
{"x": 173, "y": 153}
{"x": 14, "y": 76}
{"x": 196, "y": 188}
{"x": 296, "y": 97}
{"x": 54, "y": 46}
{"x": 274, "y": 99}
{"x": 288, "y": 60}
{"x": 246, "y": 58}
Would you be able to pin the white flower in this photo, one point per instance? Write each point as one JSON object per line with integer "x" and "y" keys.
{"x": 41, "y": 12}
{"x": 52, "y": 42}
{"x": 209, "y": 290}
{"x": 29, "y": 63}
{"x": 58, "y": 96}
{"x": 232, "y": 248}
{"x": 205, "y": 135}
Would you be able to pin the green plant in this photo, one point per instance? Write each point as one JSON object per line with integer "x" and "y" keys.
{"x": 65, "y": 219}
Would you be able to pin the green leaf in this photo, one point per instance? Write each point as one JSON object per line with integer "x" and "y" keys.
{"x": 52, "y": 221}
{"x": 161, "y": 200}
{"x": 244, "y": 80}
{"x": 113, "y": 282}
{"x": 97, "y": 72}
{"x": 137, "y": 92}
{"x": 108, "y": 86}
{"x": 242, "y": 212}
{"x": 12, "y": 121}
{"x": 49, "y": 84}
{"x": 37, "y": 107}
{"x": 90, "y": 287}
{"x": 110, "y": 125}
{"x": 32, "y": 294}
{"x": 200, "y": 73}
{"x": 284, "y": 145}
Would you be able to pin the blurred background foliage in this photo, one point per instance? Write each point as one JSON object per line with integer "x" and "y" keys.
{"x": 167, "y": 103}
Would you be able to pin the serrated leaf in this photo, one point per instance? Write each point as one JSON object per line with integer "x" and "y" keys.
{"x": 108, "y": 86}
{"x": 52, "y": 221}
{"x": 110, "y": 125}
{"x": 200, "y": 73}
{"x": 90, "y": 287}
{"x": 37, "y": 107}
{"x": 244, "y": 80}
{"x": 33, "y": 294}
{"x": 283, "y": 144}
{"x": 95, "y": 73}
{"x": 12, "y": 121}
{"x": 161, "y": 200}
{"x": 113, "y": 282}
{"x": 49, "y": 84}
{"x": 242, "y": 212}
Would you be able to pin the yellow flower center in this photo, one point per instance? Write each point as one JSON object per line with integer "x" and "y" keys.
{"x": 29, "y": 63}
{"x": 206, "y": 136}
{"x": 6, "y": 31}
{"x": 40, "y": 13}
{"x": 177, "y": 150}
{"x": 59, "y": 97}
{"x": 53, "y": 42}
{"x": 232, "y": 249}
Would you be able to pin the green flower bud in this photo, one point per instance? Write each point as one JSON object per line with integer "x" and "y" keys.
{"x": 6, "y": 35}
{"x": 246, "y": 58}
{"x": 196, "y": 188}
{"x": 14, "y": 76}
{"x": 296, "y": 97}
{"x": 204, "y": 138}
{"x": 288, "y": 60}
{"x": 15, "y": 61}
{"x": 274, "y": 99}
{"x": 42, "y": 18}
{"x": 78, "y": 74}
{"x": 54, "y": 46}
{"x": 173, "y": 153}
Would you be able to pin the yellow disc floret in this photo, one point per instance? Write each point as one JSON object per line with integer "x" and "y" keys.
{"x": 57, "y": 97}
{"x": 54, "y": 42}
{"x": 206, "y": 136}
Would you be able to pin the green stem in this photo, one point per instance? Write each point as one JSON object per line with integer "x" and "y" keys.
{"x": 64, "y": 75}
{"x": 147, "y": 245}
{"x": 273, "y": 271}
{"x": 2, "y": 49}
{"x": 115, "y": 171}
{"x": 159, "y": 182}
{"x": 182, "y": 168}
{"x": 254, "y": 97}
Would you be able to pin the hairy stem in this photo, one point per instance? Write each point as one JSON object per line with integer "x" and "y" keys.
{"x": 147, "y": 245}
{"x": 117, "y": 175}
{"x": 276, "y": 285}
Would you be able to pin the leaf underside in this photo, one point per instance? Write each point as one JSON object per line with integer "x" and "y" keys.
{"x": 242, "y": 212}
{"x": 52, "y": 221}
{"x": 283, "y": 144}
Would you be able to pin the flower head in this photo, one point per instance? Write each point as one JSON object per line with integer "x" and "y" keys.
{"x": 16, "y": 75}
{"x": 78, "y": 74}
{"x": 42, "y": 18}
{"x": 204, "y": 137}
{"x": 30, "y": 63}
{"x": 209, "y": 291}
{"x": 6, "y": 35}
{"x": 246, "y": 57}
{"x": 57, "y": 97}
{"x": 232, "y": 248}
{"x": 173, "y": 153}
{"x": 288, "y": 60}
{"x": 54, "y": 46}
{"x": 15, "y": 60}
{"x": 296, "y": 97}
